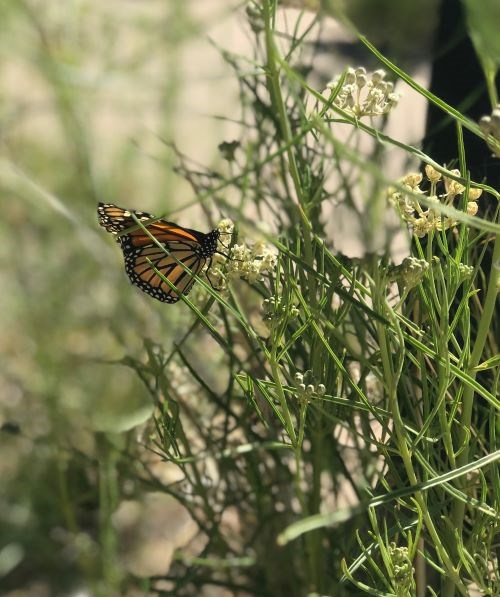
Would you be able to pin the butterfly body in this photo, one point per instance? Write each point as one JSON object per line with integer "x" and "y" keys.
{"x": 177, "y": 253}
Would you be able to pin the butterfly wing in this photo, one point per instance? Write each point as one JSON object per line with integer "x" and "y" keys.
{"x": 145, "y": 276}
{"x": 116, "y": 219}
{"x": 184, "y": 248}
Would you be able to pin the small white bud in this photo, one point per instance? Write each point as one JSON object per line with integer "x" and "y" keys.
{"x": 471, "y": 208}
{"x": 378, "y": 76}
{"x": 474, "y": 194}
{"x": 432, "y": 174}
{"x": 412, "y": 180}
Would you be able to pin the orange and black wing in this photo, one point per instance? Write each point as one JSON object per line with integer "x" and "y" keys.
{"x": 181, "y": 255}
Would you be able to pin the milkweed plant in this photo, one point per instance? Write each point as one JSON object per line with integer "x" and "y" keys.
{"x": 333, "y": 418}
{"x": 348, "y": 444}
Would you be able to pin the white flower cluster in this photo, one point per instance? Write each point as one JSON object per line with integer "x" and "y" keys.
{"x": 465, "y": 271}
{"x": 305, "y": 392}
{"x": 364, "y": 95}
{"x": 490, "y": 125}
{"x": 403, "y": 569}
{"x": 423, "y": 220}
{"x": 409, "y": 272}
{"x": 251, "y": 262}
{"x": 272, "y": 309}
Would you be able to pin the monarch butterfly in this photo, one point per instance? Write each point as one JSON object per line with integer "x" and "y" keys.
{"x": 182, "y": 246}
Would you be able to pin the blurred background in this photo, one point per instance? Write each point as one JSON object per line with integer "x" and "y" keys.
{"x": 91, "y": 93}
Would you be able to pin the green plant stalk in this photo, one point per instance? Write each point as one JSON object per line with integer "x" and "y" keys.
{"x": 302, "y": 423}
{"x": 290, "y": 429}
{"x": 444, "y": 369}
{"x": 274, "y": 87}
{"x": 391, "y": 380}
{"x": 381, "y": 540}
{"x": 286, "y": 133}
{"x": 458, "y": 510}
{"x": 363, "y": 588}
{"x": 482, "y": 334}
{"x": 108, "y": 501}
{"x": 310, "y": 539}
{"x": 317, "y": 552}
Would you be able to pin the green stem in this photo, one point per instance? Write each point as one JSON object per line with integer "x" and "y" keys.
{"x": 278, "y": 103}
{"x": 290, "y": 429}
{"x": 108, "y": 500}
{"x": 391, "y": 377}
{"x": 458, "y": 510}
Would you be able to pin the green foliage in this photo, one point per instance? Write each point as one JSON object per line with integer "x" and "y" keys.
{"x": 330, "y": 427}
